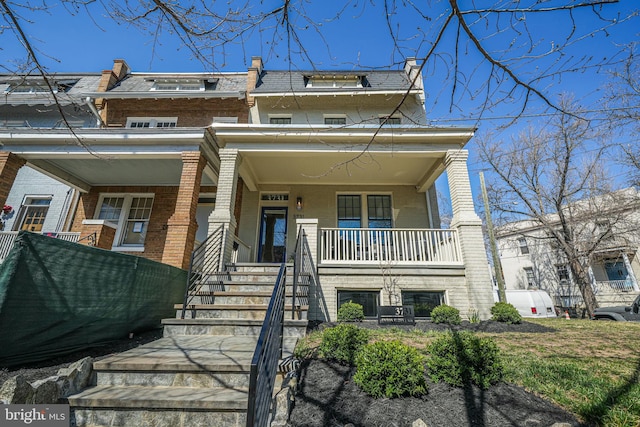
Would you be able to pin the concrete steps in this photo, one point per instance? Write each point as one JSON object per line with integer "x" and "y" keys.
{"x": 198, "y": 373}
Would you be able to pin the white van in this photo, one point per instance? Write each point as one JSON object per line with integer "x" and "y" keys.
{"x": 531, "y": 303}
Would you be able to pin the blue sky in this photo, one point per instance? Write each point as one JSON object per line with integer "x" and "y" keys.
{"x": 67, "y": 40}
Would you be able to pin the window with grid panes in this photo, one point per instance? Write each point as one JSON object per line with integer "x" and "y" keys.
{"x": 379, "y": 211}
{"x": 335, "y": 120}
{"x": 33, "y": 213}
{"x": 349, "y": 211}
{"x": 131, "y": 213}
{"x": 280, "y": 120}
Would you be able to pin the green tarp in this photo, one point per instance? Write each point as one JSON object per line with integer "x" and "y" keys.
{"x": 58, "y": 297}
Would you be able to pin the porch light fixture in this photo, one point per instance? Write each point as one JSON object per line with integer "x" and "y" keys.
{"x": 299, "y": 203}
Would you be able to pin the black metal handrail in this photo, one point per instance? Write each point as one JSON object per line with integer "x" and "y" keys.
{"x": 302, "y": 270}
{"x": 264, "y": 365}
{"x": 204, "y": 268}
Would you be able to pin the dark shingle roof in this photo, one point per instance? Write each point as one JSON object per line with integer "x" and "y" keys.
{"x": 289, "y": 81}
{"x": 144, "y": 82}
{"x": 79, "y": 84}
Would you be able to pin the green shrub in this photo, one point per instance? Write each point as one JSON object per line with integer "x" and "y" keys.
{"x": 460, "y": 358}
{"x": 446, "y": 314}
{"x": 342, "y": 342}
{"x": 390, "y": 369}
{"x": 350, "y": 312}
{"x": 505, "y": 312}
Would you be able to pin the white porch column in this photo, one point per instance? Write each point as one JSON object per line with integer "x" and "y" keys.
{"x": 632, "y": 275}
{"x": 469, "y": 226}
{"x": 223, "y": 215}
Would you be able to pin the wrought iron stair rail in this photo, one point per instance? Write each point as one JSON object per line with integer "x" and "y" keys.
{"x": 264, "y": 365}
{"x": 204, "y": 268}
{"x": 302, "y": 273}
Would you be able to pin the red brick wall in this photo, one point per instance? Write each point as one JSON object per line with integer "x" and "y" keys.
{"x": 10, "y": 164}
{"x": 182, "y": 225}
{"x": 164, "y": 203}
{"x": 190, "y": 112}
{"x": 164, "y": 206}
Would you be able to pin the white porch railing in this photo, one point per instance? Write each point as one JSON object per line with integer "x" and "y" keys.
{"x": 614, "y": 285}
{"x": 389, "y": 246}
{"x": 8, "y": 237}
{"x": 241, "y": 251}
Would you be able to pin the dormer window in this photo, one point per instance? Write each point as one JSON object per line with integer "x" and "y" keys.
{"x": 39, "y": 86}
{"x": 182, "y": 85}
{"x": 27, "y": 88}
{"x": 335, "y": 81}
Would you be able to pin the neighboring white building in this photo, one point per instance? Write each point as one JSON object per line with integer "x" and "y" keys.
{"x": 39, "y": 203}
{"x": 532, "y": 260}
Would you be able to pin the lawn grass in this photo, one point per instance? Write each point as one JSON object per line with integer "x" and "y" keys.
{"x": 591, "y": 368}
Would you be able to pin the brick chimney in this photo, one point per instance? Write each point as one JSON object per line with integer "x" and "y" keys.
{"x": 253, "y": 76}
{"x": 110, "y": 78}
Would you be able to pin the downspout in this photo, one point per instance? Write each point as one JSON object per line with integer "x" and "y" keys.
{"x": 94, "y": 110}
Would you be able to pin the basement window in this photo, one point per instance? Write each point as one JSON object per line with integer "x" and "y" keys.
{"x": 423, "y": 302}
{"x": 369, "y": 300}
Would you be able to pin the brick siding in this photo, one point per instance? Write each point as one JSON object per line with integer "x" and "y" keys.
{"x": 190, "y": 112}
{"x": 10, "y": 164}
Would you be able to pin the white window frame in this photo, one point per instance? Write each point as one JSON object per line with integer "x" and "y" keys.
{"x": 182, "y": 85}
{"x": 382, "y": 117}
{"x": 225, "y": 120}
{"x": 280, "y": 116}
{"x": 153, "y": 122}
{"x": 334, "y": 116}
{"x": 28, "y": 204}
{"x": 331, "y": 81}
{"x": 530, "y": 277}
{"x": 27, "y": 89}
{"x": 364, "y": 206}
{"x": 122, "y": 220}
{"x": 523, "y": 246}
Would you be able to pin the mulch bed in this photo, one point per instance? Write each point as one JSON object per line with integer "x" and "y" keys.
{"x": 327, "y": 396}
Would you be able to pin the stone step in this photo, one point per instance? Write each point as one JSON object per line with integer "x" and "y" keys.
{"x": 159, "y": 406}
{"x": 239, "y": 327}
{"x": 232, "y": 311}
{"x": 182, "y": 361}
{"x": 252, "y": 267}
{"x": 236, "y": 297}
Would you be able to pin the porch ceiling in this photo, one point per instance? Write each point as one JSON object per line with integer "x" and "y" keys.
{"x": 326, "y": 168}
{"x": 332, "y": 155}
{"x": 117, "y": 172}
{"x": 112, "y": 157}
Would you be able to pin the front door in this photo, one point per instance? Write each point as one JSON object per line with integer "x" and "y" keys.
{"x": 273, "y": 235}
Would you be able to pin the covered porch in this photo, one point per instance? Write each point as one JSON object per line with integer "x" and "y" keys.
{"x": 139, "y": 188}
{"x": 364, "y": 196}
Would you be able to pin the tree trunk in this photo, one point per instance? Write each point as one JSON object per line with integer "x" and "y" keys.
{"x": 584, "y": 284}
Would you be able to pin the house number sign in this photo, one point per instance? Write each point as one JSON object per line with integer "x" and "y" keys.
{"x": 275, "y": 197}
